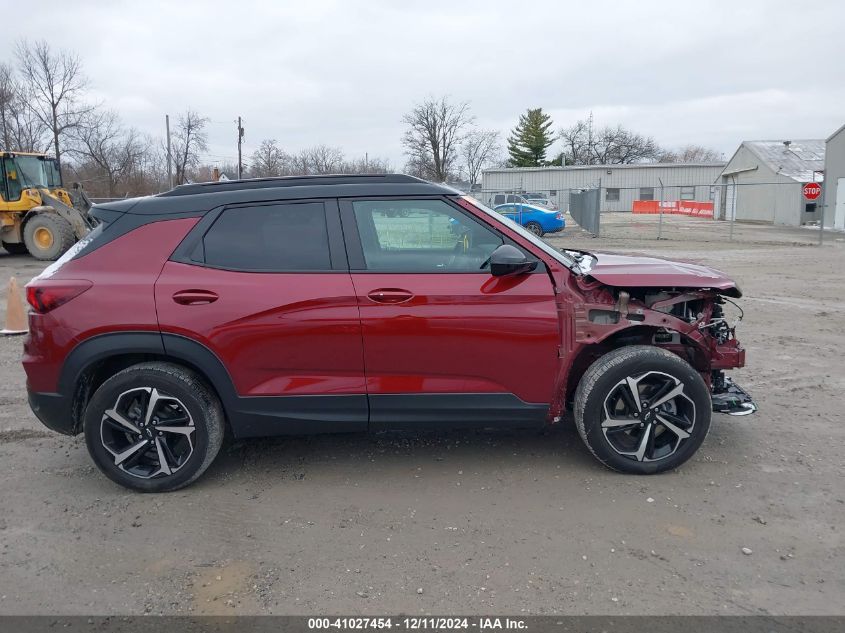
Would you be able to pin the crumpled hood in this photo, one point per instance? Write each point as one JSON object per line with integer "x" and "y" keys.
{"x": 651, "y": 272}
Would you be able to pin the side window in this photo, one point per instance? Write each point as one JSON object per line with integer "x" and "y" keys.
{"x": 13, "y": 186}
{"x": 422, "y": 236}
{"x": 271, "y": 238}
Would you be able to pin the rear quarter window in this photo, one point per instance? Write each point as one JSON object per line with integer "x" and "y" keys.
{"x": 269, "y": 238}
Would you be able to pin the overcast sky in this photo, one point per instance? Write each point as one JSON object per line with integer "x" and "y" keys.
{"x": 344, "y": 73}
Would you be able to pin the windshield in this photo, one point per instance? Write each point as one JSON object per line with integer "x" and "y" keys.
{"x": 37, "y": 171}
{"x": 570, "y": 259}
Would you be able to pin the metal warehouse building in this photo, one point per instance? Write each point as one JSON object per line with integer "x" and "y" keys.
{"x": 763, "y": 181}
{"x": 620, "y": 185}
{"x": 834, "y": 176}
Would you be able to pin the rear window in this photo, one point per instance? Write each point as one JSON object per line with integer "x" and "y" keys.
{"x": 270, "y": 238}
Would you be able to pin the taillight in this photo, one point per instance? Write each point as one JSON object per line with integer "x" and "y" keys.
{"x": 559, "y": 215}
{"x": 45, "y": 295}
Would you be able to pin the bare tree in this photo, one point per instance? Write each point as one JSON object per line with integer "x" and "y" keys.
{"x": 101, "y": 141}
{"x": 691, "y": 154}
{"x": 577, "y": 143}
{"x": 269, "y": 160}
{"x": 479, "y": 149}
{"x": 365, "y": 165}
{"x": 584, "y": 145}
{"x": 435, "y": 131}
{"x": 8, "y": 96}
{"x": 20, "y": 129}
{"x": 188, "y": 141}
{"x": 56, "y": 83}
{"x": 319, "y": 159}
{"x": 324, "y": 159}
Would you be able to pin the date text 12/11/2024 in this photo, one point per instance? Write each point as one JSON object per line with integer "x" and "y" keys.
{"x": 428, "y": 623}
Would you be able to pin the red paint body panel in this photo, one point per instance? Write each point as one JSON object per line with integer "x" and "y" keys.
{"x": 120, "y": 299}
{"x": 461, "y": 333}
{"x": 644, "y": 272}
{"x": 336, "y": 333}
{"x": 276, "y": 333}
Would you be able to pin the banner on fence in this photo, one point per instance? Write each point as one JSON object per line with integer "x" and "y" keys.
{"x": 674, "y": 207}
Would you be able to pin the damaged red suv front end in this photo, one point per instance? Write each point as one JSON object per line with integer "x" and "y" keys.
{"x": 685, "y": 308}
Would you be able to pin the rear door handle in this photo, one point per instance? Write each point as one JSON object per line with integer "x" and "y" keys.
{"x": 390, "y": 295}
{"x": 194, "y": 297}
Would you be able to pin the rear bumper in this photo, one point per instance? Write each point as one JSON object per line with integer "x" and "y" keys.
{"x": 733, "y": 400}
{"x": 54, "y": 411}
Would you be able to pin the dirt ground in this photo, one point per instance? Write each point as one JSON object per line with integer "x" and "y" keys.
{"x": 473, "y": 522}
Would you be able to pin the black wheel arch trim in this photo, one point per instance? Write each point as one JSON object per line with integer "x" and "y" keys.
{"x": 248, "y": 416}
{"x": 179, "y": 348}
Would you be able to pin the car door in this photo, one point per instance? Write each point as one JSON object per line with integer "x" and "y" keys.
{"x": 445, "y": 342}
{"x": 511, "y": 211}
{"x": 266, "y": 288}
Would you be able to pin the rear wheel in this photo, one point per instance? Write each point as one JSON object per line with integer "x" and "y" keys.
{"x": 642, "y": 410}
{"x": 15, "y": 249}
{"x": 47, "y": 236}
{"x": 535, "y": 228}
{"x": 154, "y": 427}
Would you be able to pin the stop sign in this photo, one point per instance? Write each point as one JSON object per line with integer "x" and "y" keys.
{"x": 812, "y": 190}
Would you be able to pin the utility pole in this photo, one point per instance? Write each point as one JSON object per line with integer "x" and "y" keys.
{"x": 240, "y": 140}
{"x": 169, "y": 154}
{"x": 821, "y": 206}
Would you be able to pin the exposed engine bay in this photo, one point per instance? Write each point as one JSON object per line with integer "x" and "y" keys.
{"x": 697, "y": 324}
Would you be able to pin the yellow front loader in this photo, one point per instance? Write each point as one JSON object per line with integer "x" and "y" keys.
{"x": 37, "y": 214}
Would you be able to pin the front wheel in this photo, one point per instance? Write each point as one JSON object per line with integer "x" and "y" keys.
{"x": 642, "y": 410}
{"x": 47, "y": 236}
{"x": 154, "y": 427}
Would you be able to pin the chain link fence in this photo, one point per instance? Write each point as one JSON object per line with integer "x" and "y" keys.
{"x": 759, "y": 212}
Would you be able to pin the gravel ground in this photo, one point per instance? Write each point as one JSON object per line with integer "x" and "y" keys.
{"x": 473, "y": 522}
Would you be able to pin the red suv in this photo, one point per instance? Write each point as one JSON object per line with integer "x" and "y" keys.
{"x": 356, "y": 303}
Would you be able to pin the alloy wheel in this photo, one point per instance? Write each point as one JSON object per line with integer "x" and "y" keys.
{"x": 148, "y": 433}
{"x": 646, "y": 418}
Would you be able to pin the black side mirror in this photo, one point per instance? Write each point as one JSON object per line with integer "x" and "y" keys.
{"x": 509, "y": 260}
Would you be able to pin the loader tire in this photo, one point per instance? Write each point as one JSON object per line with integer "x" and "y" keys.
{"x": 47, "y": 236}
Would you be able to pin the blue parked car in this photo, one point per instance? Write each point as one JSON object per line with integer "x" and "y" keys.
{"x": 538, "y": 220}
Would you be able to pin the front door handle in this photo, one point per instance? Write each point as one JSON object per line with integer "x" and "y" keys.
{"x": 390, "y": 295}
{"x": 194, "y": 297}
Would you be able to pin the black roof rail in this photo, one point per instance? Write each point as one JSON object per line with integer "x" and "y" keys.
{"x": 288, "y": 181}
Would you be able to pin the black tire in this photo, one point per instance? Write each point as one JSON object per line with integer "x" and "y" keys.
{"x": 655, "y": 373}
{"x": 60, "y": 231}
{"x": 535, "y": 228}
{"x": 183, "y": 397}
{"x": 15, "y": 249}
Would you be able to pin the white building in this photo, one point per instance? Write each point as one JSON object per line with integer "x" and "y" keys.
{"x": 834, "y": 176}
{"x": 763, "y": 181}
{"x": 620, "y": 185}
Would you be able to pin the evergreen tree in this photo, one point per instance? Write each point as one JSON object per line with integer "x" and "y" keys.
{"x": 530, "y": 139}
